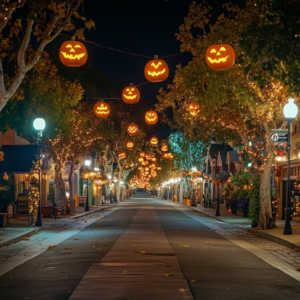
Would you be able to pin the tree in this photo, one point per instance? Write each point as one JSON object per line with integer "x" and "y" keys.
{"x": 189, "y": 152}
{"x": 242, "y": 104}
{"x": 22, "y": 45}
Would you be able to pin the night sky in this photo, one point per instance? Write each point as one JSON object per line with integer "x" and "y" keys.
{"x": 145, "y": 27}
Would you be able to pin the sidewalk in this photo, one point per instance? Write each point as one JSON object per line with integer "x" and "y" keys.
{"x": 276, "y": 235}
{"x": 21, "y": 228}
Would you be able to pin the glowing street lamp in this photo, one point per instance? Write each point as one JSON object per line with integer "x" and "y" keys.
{"x": 290, "y": 112}
{"x": 39, "y": 125}
{"x": 87, "y": 163}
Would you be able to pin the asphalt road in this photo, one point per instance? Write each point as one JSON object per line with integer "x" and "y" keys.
{"x": 148, "y": 249}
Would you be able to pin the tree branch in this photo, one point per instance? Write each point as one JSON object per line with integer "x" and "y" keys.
{"x": 2, "y": 86}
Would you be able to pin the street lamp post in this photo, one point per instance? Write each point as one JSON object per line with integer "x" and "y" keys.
{"x": 290, "y": 112}
{"x": 87, "y": 163}
{"x": 39, "y": 125}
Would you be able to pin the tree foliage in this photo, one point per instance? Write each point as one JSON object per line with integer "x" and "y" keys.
{"x": 240, "y": 104}
{"x": 23, "y": 41}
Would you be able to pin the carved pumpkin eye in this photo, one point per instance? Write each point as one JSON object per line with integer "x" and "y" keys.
{"x": 213, "y": 51}
{"x": 77, "y": 46}
{"x": 69, "y": 46}
{"x": 223, "y": 49}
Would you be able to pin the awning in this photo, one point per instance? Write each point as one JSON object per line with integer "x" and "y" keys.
{"x": 18, "y": 158}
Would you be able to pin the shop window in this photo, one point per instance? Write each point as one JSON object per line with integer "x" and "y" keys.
{"x": 284, "y": 173}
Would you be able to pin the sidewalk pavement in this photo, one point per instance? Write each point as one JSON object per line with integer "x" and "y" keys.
{"x": 276, "y": 234}
{"x": 21, "y": 228}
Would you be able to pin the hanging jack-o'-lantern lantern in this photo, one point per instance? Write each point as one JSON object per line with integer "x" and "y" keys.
{"x": 153, "y": 159}
{"x": 164, "y": 148}
{"x": 166, "y": 156}
{"x": 73, "y": 54}
{"x": 131, "y": 165}
{"x": 131, "y": 94}
{"x": 141, "y": 159}
{"x": 132, "y": 129}
{"x": 156, "y": 70}
{"x": 159, "y": 169}
{"x": 193, "y": 108}
{"x": 122, "y": 155}
{"x": 148, "y": 156}
{"x": 129, "y": 145}
{"x": 154, "y": 141}
{"x": 151, "y": 117}
{"x": 140, "y": 168}
{"x": 101, "y": 109}
{"x": 220, "y": 57}
{"x": 126, "y": 167}
{"x": 142, "y": 154}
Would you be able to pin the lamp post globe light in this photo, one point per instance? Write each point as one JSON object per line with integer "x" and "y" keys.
{"x": 39, "y": 125}
{"x": 87, "y": 163}
{"x": 290, "y": 112}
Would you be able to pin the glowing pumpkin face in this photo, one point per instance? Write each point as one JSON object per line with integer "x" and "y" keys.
{"x": 151, "y": 117}
{"x": 144, "y": 163}
{"x": 73, "y": 54}
{"x": 131, "y": 95}
{"x": 220, "y": 57}
{"x": 164, "y": 148}
{"x": 156, "y": 70}
{"x": 153, "y": 159}
{"x": 148, "y": 156}
{"x": 193, "y": 108}
{"x": 142, "y": 154}
{"x": 154, "y": 141}
{"x": 158, "y": 169}
{"x": 141, "y": 159}
{"x": 132, "y": 129}
{"x": 129, "y": 145}
{"x": 122, "y": 155}
{"x": 101, "y": 110}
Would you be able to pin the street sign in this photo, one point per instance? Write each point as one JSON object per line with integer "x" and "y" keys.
{"x": 279, "y": 136}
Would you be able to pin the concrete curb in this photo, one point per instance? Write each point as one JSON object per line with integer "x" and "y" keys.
{"x": 19, "y": 238}
{"x": 278, "y": 240}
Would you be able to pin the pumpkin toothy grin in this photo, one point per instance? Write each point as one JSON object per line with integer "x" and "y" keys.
{"x": 130, "y": 97}
{"x": 217, "y": 61}
{"x": 156, "y": 73}
{"x": 73, "y": 57}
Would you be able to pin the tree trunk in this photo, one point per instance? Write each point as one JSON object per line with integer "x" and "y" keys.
{"x": 59, "y": 182}
{"x": 71, "y": 186}
{"x": 265, "y": 208}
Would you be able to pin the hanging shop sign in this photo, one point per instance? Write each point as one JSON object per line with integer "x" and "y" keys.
{"x": 279, "y": 136}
